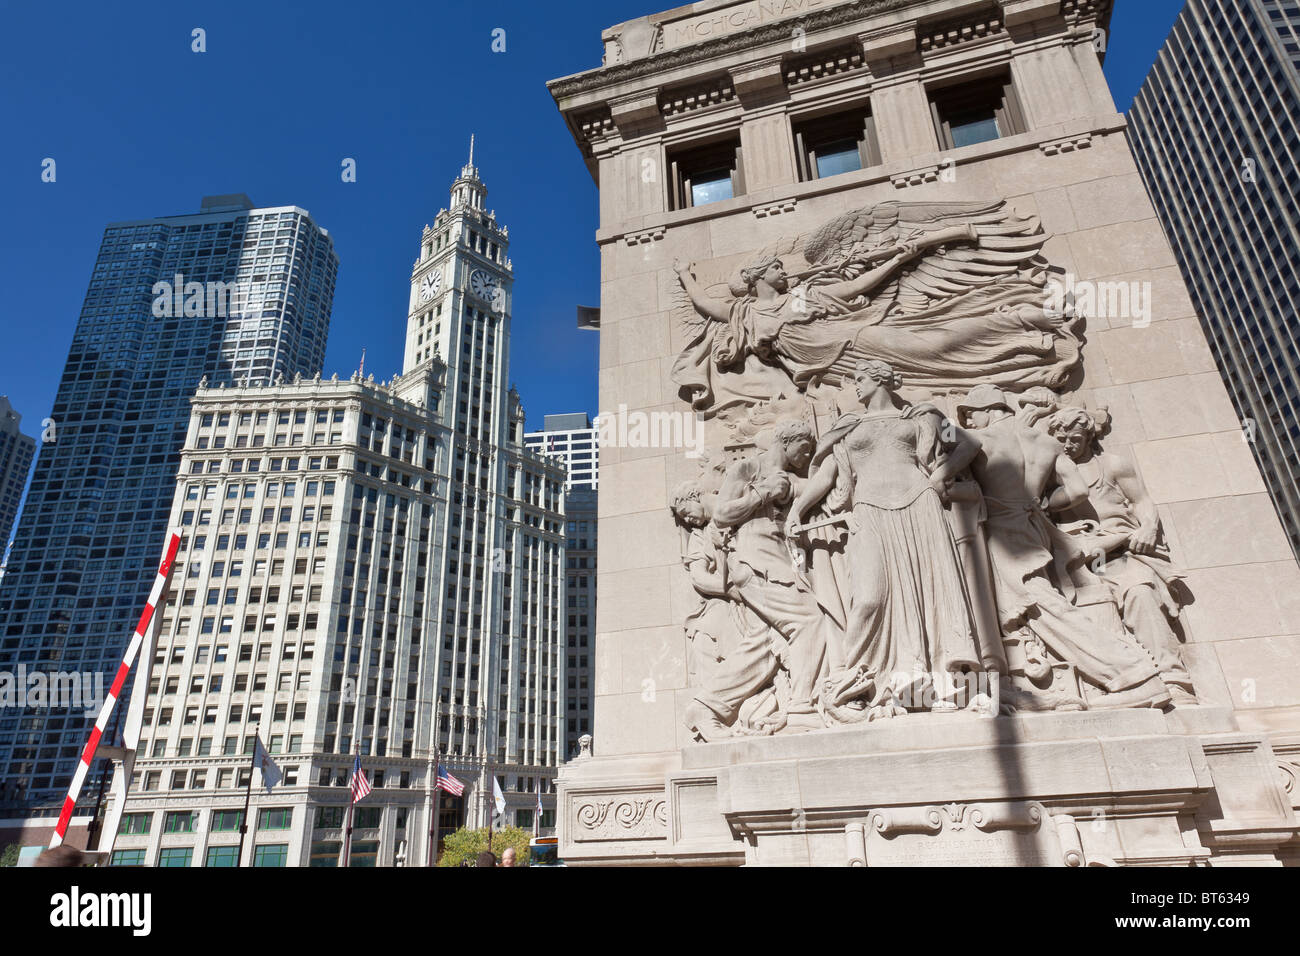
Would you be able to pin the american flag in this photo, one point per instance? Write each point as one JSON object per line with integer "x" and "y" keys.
{"x": 446, "y": 781}
{"x": 360, "y": 784}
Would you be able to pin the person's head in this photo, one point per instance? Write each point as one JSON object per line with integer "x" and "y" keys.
{"x": 982, "y": 406}
{"x": 64, "y": 855}
{"x": 1036, "y": 665}
{"x": 508, "y": 857}
{"x": 796, "y": 443}
{"x": 768, "y": 271}
{"x": 871, "y": 375}
{"x": 1075, "y": 429}
{"x": 687, "y": 504}
{"x": 487, "y": 858}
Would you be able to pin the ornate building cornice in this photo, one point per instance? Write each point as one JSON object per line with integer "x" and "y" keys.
{"x": 708, "y": 49}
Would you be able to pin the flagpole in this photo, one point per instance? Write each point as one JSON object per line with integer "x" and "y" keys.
{"x": 436, "y": 802}
{"x": 347, "y": 835}
{"x": 437, "y": 809}
{"x": 248, "y": 795}
{"x": 492, "y": 803}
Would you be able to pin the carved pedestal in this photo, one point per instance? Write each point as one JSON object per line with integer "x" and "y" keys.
{"x": 1133, "y": 788}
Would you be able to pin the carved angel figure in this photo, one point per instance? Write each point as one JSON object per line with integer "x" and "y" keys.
{"x": 947, "y": 293}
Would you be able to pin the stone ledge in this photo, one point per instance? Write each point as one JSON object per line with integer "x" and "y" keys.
{"x": 932, "y": 732}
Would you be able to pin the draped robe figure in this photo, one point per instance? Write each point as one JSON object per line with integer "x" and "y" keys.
{"x": 908, "y": 627}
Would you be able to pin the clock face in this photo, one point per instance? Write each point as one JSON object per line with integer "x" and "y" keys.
{"x": 481, "y": 284}
{"x": 430, "y": 285}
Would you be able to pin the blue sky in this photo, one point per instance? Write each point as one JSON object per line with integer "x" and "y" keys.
{"x": 141, "y": 126}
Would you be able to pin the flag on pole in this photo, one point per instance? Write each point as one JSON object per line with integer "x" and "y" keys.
{"x": 446, "y": 781}
{"x": 360, "y": 785}
{"x": 498, "y": 798}
{"x": 537, "y": 817}
{"x": 271, "y": 774}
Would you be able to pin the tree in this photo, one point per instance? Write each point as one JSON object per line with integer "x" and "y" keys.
{"x": 10, "y": 855}
{"x": 465, "y": 845}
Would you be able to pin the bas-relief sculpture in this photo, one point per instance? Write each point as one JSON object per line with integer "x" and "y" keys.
{"x": 899, "y": 510}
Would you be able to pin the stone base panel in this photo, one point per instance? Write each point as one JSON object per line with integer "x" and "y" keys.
{"x": 1120, "y": 788}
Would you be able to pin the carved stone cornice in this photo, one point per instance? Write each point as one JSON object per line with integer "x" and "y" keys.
{"x": 949, "y": 33}
{"x": 757, "y": 78}
{"x": 768, "y": 210}
{"x": 833, "y": 61}
{"x": 646, "y": 235}
{"x": 1017, "y": 13}
{"x": 635, "y": 110}
{"x": 892, "y": 41}
{"x": 1067, "y": 145}
{"x": 915, "y": 177}
{"x": 758, "y": 36}
{"x": 686, "y": 99}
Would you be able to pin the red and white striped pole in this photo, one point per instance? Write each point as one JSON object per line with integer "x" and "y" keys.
{"x": 124, "y": 668}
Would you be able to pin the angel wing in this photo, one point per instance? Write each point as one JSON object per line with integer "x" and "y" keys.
{"x": 998, "y": 245}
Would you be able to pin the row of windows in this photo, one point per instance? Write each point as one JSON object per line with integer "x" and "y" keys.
{"x": 841, "y": 142}
{"x": 223, "y": 821}
{"x": 239, "y": 465}
{"x": 270, "y": 855}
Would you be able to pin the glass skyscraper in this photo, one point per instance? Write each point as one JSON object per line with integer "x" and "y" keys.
{"x": 1215, "y": 132}
{"x": 16, "y": 453}
{"x": 231, "y": 294}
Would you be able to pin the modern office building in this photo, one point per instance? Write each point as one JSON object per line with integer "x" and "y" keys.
{"x": 1216, "y": 133}
{"x": 370, "y": 568}
{"x": 233, "y": 293}
{"x": 572, "y": 439}
{"x": 16, "y": 453}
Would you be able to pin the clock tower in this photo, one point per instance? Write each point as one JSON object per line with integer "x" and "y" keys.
{"x": 494, "y": 617}
{"x": 460, "y": 306}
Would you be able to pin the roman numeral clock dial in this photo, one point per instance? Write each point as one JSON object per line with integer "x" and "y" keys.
{"x": 430, "y": 285}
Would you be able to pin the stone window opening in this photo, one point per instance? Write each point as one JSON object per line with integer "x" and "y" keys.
{"x": 977, "y": 111}
{"x": 838, "y": 143}
{"x": 705, "y": 174}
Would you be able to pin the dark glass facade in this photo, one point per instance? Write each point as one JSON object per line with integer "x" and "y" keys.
{"x": 88, "y": 542}
{"x": 1216, "y": 133}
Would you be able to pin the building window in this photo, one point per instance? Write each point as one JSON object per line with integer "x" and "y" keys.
{"x": 127, "y": 858}
{"x": 278, "y": 818}
{"x": 225, "y": 821}
{"x": 364, "y": 854}
{"x": 134, "y": 823}
{"x": 367, "y": 817}
{"x": 329, "y": 816}
{"x": 976, "y": 111}
{"x": 325, "y": 854}
{"x": 181, "y": 822}
{"x": 830, "y": 145}
{"x": 275, "y": 854}
{"x": 176, "y": 856}
{"x": 223, "y": 856}
{"x": 705, "y": 174}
